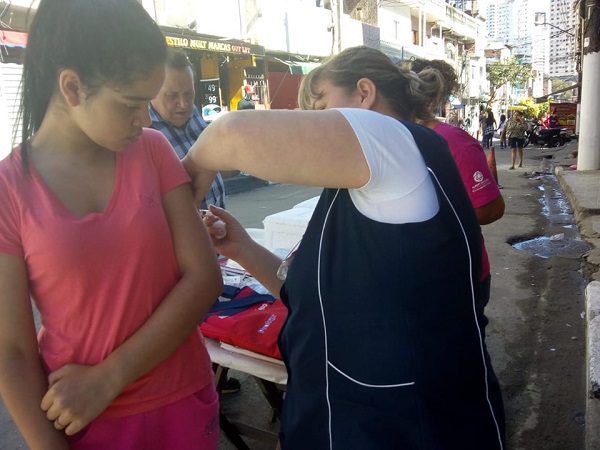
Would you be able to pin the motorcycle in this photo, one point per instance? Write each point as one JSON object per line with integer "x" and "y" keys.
{"x": 545, "y": 137}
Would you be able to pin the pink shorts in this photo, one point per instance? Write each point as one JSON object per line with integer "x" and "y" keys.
{"x": 188, "y": 424}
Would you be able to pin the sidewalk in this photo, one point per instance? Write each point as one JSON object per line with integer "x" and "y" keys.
{"x": 583, "y": 191}
{"x": 242, "y": 183}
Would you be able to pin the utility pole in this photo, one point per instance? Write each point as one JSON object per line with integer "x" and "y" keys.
{"x": 589, "y": 137}
{"x": 337, "y": 7}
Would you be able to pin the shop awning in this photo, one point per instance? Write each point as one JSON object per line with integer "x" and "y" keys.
{"x": 188, "y": 39}
{"x": 455, "y": 103}
{"x": 299, "y": 67}
{"x": 13, "y": 38}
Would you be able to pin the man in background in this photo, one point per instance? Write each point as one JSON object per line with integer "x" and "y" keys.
{"x": 174, "y": 113}
{"x": 247, "y": 102}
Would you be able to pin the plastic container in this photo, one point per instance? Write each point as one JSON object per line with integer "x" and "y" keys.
{"x": 285, "y": 229}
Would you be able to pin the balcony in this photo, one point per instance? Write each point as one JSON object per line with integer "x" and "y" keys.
{"x": 458, "y": 25}
{"x": 446, "y": 21}
{"x": 433, "y": 9}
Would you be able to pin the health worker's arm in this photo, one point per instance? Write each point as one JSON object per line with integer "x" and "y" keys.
{"x": 313, "y": 148}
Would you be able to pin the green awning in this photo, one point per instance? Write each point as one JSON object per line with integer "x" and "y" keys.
{"x": 302, "y": 67}
{"x": 299, "y": 67}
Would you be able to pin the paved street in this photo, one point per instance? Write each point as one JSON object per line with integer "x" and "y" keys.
{"x": 536, "y": 329}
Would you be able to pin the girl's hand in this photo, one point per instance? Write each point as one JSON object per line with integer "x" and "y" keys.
{"x": 229, "y": 236}
{"x": 77, "y": 395}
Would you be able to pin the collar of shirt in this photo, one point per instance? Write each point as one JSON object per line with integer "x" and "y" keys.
{"x": 181, "y": 138}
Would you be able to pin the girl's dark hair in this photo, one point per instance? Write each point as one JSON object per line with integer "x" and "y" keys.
{"x": 404, "y": 91}
{"x": 489, "y": 120}
{"x": 107, "y": 42}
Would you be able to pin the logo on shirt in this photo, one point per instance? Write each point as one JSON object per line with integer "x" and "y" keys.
{"x": 478, "y": 177}
{"x": 269, "y": 321}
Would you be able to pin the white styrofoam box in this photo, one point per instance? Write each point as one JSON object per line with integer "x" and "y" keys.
{"x": 257, "y": 234}
{"x": 310, "y": 203}
{"x": 284, "y": 229}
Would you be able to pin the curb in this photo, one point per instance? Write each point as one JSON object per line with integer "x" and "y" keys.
{"x": 592, "y": 406}
{"x": 585, "y": 212}
{"x": 242, "y": 183}
{"x": 581, "y": 206}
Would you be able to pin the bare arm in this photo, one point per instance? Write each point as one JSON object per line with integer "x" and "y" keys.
{"x": 22, "y": 380}
{"x": 490, "y": 212}
{"x": 78, "y": 394}
{"x": 315, "y": 148}
{"x": 202, "y": 182}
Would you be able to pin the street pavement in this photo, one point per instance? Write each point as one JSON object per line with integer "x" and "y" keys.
{"x": 553, "y": 367}
{"x": 583, "y": 191}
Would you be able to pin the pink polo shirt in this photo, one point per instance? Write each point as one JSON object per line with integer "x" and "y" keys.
{"x": 96, "y": 279}
{"x": 477, "y": 178}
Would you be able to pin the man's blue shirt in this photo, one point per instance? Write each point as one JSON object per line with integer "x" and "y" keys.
{"x": 182, "y": 138}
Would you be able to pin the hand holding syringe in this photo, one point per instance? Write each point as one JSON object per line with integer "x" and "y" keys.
{"x": 216, "y": 226}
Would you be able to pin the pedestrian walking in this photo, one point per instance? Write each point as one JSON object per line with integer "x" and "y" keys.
{"x": 489, "y": 128}
{"x": 516, "y": 127}
{"x": 501, "y": 132}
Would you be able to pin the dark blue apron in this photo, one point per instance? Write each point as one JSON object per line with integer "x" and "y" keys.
{"x": 384, "y": 341}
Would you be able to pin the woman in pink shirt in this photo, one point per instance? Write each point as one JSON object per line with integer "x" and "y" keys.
{"x": 468, "y": 155}
{"x": 98, "y": 227}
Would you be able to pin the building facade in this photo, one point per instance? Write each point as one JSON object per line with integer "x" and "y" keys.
{"x": 437, "y": 29}
{"x": 562, "y": 20}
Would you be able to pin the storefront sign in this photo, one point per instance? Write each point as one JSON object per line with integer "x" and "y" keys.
{"x": 254, "y": 76}
{"x": 210, "y": 92}
{"x": 566, "y": 113}
{"x": 193, "y": 43}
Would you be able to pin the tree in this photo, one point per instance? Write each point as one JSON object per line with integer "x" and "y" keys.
{"x": 560, "y": 85}
{"x": 507, "y": 71}
{"x": 534, "y": 110}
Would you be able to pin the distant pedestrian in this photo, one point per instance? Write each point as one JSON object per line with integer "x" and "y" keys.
{"x": 516, "y": 127}
{"x": 480, "y": 131}
{"x": 553, "y": 119}
{"x": 247, "y": 102}
{"x": 489, "y": 128}
{"x": 544, "y": 120}
{"x": 500, "y": 130}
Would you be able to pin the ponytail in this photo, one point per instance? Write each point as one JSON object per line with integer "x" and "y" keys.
{"x": 105, "y": 41}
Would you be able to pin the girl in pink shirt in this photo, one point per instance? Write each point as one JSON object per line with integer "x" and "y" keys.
{"x": 468, "y": 154}
{"x": 98, "y": 227}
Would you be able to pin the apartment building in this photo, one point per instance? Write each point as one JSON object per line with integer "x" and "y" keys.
{"x": 561, "y": 23}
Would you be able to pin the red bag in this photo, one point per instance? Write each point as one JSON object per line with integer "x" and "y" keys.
{"x": 255, "y": 328}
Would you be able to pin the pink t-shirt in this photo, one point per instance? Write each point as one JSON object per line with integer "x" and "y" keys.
{"x": 477, "y": 178}
{"x": 96, "y": 279}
